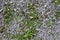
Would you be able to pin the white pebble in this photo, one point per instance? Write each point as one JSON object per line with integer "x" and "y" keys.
{"x": 11, "y": 2}
{"x": 31, "y": 17}
{"x": 0, "y": 10}
{"x": 14, "y": 9}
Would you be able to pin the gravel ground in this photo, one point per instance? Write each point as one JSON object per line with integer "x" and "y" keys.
{"x": 46, "y": 10}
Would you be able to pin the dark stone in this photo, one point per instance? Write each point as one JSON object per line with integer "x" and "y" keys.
{"x": 1, "y": 30}
{"x": 9, "y": 30}
{"x": 22, "y": 12}
{"x": 0, "y": 18}
{"x": 53, "y": 20}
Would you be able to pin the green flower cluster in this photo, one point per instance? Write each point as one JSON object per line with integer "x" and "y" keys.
{"x": 8, "y": 13}
{"x": 56, "y": 2}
